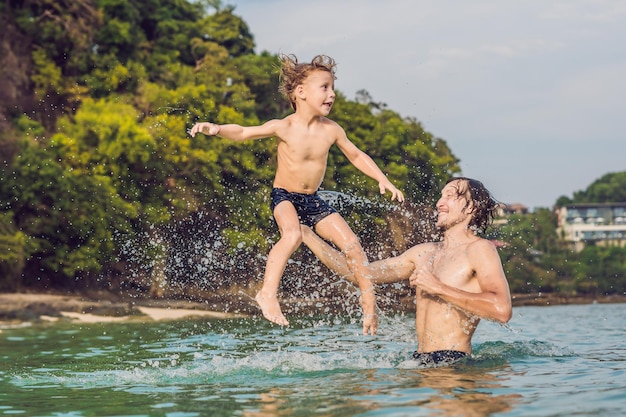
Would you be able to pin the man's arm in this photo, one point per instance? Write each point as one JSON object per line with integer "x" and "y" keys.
{"x": 494, "y": 299}
{"x": 385, "y": 271}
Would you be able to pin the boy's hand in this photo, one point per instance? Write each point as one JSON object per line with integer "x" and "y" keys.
{"x": 395, "y": 193}
{"x": 207, "y": 128}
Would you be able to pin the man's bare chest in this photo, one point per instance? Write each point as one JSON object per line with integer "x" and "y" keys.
{"x": 454, "y": 269}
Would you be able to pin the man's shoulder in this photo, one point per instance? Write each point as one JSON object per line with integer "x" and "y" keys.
{"x": 423, "y": 249}
{"x": 481, "y": 242}
{"x": 482, "y": 247}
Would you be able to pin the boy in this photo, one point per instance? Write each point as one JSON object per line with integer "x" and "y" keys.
{"x": 304, "y": 139}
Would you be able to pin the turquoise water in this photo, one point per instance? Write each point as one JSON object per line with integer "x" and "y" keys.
{"x": 549, "y": 361}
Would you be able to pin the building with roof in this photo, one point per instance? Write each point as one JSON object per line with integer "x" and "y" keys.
{"x": 597, "y": 223}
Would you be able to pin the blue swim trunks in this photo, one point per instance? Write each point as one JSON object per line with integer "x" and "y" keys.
{"x": 438, "y": 357}
{"x": 311, "y": 208}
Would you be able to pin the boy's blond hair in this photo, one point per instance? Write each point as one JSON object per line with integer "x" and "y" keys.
{"x": 293, "y": 73}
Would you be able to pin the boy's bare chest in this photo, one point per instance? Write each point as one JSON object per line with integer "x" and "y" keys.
{"x": 304, "y": 147}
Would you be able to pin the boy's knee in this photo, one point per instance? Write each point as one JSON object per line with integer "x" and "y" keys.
{"x": 293, "y": 236}
{"x": 352, "y": 248}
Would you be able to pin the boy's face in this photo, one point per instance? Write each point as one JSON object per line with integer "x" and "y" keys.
{"x": 317, "y": 91}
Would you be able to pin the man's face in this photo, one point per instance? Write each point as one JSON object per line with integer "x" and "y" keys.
{"x": 452, "y": 207}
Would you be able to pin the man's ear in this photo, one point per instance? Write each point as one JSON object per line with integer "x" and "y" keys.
{"x": 471, "y": 207}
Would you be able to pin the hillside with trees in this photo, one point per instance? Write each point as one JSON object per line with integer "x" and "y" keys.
{"x": 101, "y": 187}
{"x": 538, "y": 261}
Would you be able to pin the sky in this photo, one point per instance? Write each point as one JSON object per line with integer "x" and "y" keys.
{"x": 530, "y": 95}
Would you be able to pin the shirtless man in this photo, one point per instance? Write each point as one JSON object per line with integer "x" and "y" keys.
{"x": 458, "y": 280}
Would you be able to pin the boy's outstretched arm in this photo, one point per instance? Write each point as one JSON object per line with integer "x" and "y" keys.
{"x": 236, "y": 132}
{"x": 207, "y": 128}
{"x": 366, "y": 165}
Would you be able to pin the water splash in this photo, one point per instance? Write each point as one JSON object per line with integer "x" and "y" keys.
{"x": 192, "y": 258}
{"x": 519, "y": 350}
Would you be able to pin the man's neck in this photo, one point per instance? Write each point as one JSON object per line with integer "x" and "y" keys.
{"x": 458, "y": 234}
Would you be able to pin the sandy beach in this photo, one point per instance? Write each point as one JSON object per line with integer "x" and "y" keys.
{"x": 25, "y": 307}
{"x": 17, "y": 308}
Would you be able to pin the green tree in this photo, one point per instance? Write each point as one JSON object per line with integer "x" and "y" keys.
{"x": 67, "y": 218}
{"x": 229, "y": 30}
{"x": 602, "y": 270}
{"x": 610, "y": 188}
{"x": 111, "y": 88}
{"x": 12, "y": 252}
{"x": 531, "y": 253}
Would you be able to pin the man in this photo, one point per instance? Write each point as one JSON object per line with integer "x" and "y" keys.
{"x": 458, "y": 280}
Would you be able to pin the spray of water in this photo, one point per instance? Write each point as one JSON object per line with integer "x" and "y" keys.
{"x": 191, "y": 258}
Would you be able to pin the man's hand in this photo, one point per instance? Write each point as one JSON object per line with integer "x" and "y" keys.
{"x": 425, "y": 281}
{"x": 207, "y": 128}
{"x": 370, "y": 318}
{"x": 370, "y": 324}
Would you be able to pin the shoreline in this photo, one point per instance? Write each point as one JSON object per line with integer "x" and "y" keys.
{"x": 19, "y": 308}
{"x": 549, "y": 299}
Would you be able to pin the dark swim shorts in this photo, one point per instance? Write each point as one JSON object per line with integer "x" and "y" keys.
{"x": 438, "y": 357}
{"x": 310, "y": 207}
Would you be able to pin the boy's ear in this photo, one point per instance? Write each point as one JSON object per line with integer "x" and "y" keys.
{"x": 300, "y": 92}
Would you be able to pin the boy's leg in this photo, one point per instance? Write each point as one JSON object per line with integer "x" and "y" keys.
{"x": 335, "y": 229}
{"x": 291, "y": 237}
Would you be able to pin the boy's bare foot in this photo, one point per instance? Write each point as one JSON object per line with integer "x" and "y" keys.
{"x": 271, "y": 309}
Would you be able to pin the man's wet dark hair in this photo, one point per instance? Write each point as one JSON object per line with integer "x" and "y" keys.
{"x": 485, "y": 207}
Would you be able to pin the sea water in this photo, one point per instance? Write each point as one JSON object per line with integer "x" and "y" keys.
{"x": 549, "y": 361}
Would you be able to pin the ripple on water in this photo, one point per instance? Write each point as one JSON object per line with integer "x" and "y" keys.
{"x": 317, "y": 366}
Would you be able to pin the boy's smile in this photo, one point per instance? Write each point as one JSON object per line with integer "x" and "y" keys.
{"x": 318, "y": 89}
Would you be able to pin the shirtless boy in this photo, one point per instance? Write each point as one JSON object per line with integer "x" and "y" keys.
{"x": 304, "y": 139}
{"x": 458, "y": 280}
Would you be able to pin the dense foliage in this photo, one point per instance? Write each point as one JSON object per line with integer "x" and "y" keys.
{"x": 100, "y": 183}
{"x": 536, "y": 260}
{"x": 609, "y": 188}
